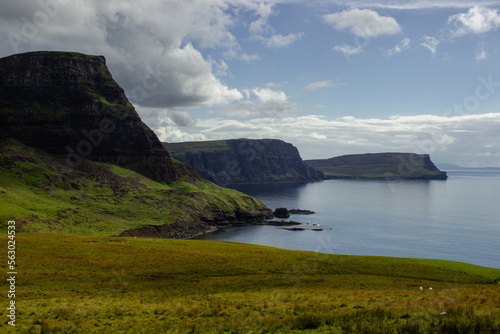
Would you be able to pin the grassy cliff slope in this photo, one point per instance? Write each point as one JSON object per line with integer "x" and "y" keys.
{"x": 104, "y": 199}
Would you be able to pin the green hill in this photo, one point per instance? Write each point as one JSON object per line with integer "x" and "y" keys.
{"x": 105, "y": 199}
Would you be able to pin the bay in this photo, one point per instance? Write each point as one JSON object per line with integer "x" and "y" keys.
{"x": 457, "y": 219}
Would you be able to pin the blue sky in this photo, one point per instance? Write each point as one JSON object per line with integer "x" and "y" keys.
{"x": 331, "y": 77}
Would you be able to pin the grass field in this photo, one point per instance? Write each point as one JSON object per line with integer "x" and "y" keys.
{"x": 95, "y": 284}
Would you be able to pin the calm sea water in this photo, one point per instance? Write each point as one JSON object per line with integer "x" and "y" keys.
{"x": 457, "y": 219}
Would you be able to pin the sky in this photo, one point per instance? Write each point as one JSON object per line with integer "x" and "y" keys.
{"x": 332, "y": 77}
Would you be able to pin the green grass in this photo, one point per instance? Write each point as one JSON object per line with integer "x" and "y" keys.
{"x": 176, "y": 149}
{"x": 100, "y": 198}
{"x": 93, "y": 284}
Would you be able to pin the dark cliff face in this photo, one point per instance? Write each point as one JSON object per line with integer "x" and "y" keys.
{"x": 245, "y": 161}
{"x": 68, "y": 104}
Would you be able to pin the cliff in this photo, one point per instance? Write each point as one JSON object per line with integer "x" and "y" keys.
{"x": 69, "y": 105}
{"x": 379, "y": 166}
{"x": 75, "y": 157}
{"x": 243, "y": 161}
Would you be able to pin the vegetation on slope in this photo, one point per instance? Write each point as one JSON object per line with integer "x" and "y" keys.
{"x": 178, "y": 149}
{"x": 94, "y": 284}
{"x": 99, "y": 198}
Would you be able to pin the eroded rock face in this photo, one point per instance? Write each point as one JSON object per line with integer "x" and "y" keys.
{"x": 244, "y": 161}
{"x": 69, "y": 104}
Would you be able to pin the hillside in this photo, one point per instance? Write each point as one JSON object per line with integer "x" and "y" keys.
{"x": 244, "y": 161}
{"x": 386, "y": 166}
{"x": 75, "y": 157}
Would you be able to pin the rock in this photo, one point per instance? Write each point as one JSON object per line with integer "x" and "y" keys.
{"x": 301, "y": 212}
{"x": 281, "y": 213}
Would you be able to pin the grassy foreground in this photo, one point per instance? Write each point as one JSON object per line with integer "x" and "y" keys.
{"x": 95, "y": 284}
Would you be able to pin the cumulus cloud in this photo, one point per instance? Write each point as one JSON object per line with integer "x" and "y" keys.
{"x": 266, "y": 95}
{"x": 477, "y": 20}
{"x": 363, "y": 22}
{"x": 181, "y": 118}
{"x": 146, "y": 45}
{"x": 265, "y": 10}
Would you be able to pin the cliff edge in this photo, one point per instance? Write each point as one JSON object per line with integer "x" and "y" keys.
{"x": 245, "y": 161}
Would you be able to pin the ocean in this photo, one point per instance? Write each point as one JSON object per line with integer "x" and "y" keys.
{"x": 457, "y": 219}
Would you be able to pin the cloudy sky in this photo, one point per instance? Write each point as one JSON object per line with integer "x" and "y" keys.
{"x": 332, "y": 77}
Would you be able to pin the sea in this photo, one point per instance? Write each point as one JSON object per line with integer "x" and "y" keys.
{"x": 457, "y": 219}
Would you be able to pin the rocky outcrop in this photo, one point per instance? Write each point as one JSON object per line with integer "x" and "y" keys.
{"x": 386, "y": 166}
{"x": 245, "y": 161}
{"x": 68, "y": 104}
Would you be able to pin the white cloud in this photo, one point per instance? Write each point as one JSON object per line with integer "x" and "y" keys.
{"x": 321, "y": 84}
{"x": 400, "y": 47}
{"x": 431, "y": 43}
{"x": 363, "y": 23}
{"x": 268, "y": 95}
{"x": 280, "y": 41}
{"x": 481, "y": 53}
{"x": 144, "y": 44}
{"x": 265, "y": 10}
{"x": 317, "y": 85}
{"x": 172, "y": 134}
{"x": 477, "y": 20}
{"x": 348, "y": 49}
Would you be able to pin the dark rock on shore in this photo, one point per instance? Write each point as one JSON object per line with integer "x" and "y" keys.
{"x": 301, "y": 212}
{"x": 281, "y": 213}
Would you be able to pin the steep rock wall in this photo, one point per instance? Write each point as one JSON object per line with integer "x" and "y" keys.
{"x": 243, "y": 161}
{"x": 68, "y": 104}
